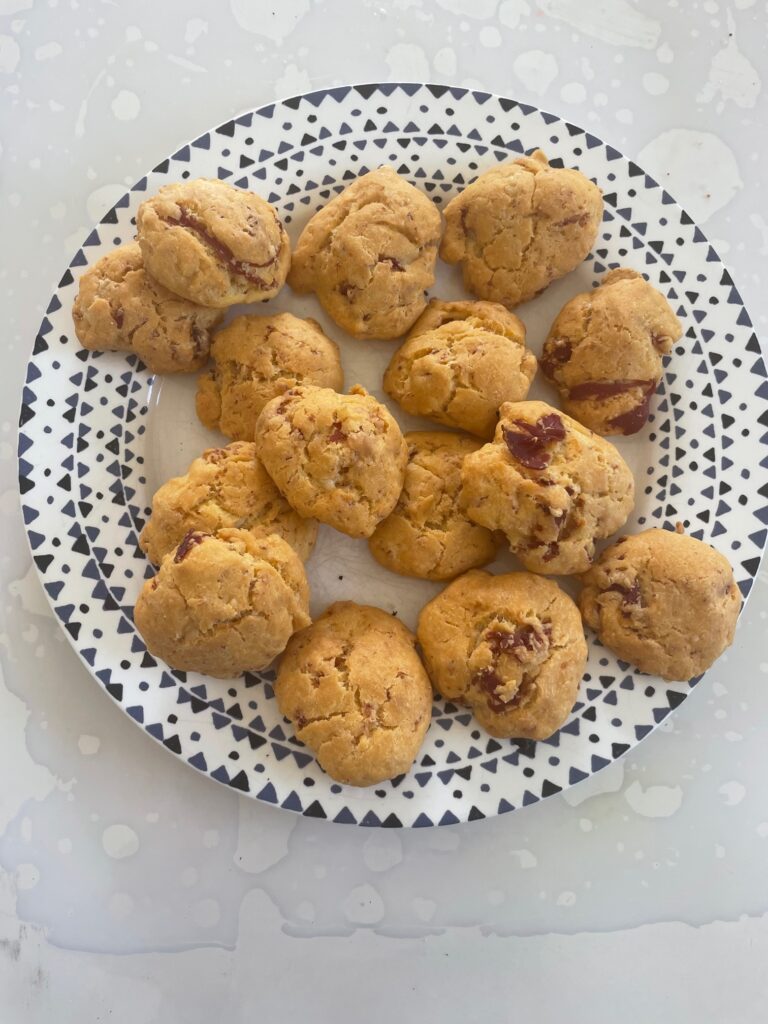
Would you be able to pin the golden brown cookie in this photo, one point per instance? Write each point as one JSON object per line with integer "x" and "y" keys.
{"x": 120, "y": 308}
{"x": 224, "y": 605}
{"x": 337, "y": 458}
{"x": 603, "y": 352}
{"x": 519, "y": 227}
{"x": 370, "y": 254}
{"x": 225, "y": 487}
{"x": 427, "y": 535}
{"x": 552, "y": 486}
{"x": 258, "y": 357}
{"x": 357, "y": 693}
{"x": 459, "y": 363}
{"x": 213, "y": 243}
{"x": 510, "y": 647}
{"x": 663, "y": 601}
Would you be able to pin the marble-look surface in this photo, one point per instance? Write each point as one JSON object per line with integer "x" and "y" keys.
{"x": 131, "y": 889}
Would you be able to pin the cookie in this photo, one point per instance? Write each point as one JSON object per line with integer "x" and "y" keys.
{"x": 552, "y": 486}
{"x": 427, "y": 535}
{"x": 256, "y": 358}
{"x": 120, "y": 308}
{"x": 665, "y": 602}
{"x": 356, "y": 693}
{"x": 370, "y": 254}
{"x": 224, "y": 605}
{"x": 213, "y": 243}
{"x": 510, "y": 647}
{"x": 460, "y": 362}
{"x": 519, "y": 227}
{"x": 337, "y": 458}
{"x": 604, "y": 350}
{"x": 225, "y": 487}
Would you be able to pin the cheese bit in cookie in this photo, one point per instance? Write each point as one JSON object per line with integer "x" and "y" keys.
{"x": 550, "y": 485}
{"x": 519, "y": 227}
{"x": 604, "y": 352}
{"x": 212, "y": 243}
{"x": 121, "y": 308}
{"x": 369, "y": 255}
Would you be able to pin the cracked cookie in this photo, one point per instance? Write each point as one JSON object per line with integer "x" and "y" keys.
{"x": 459, "y": 363}
{"x": 357, "y": 694}
{"x": 427, "y": 535}
{"x": 604, "y": 350}
{"x": 213, "y": 243}
{"x": 225, "y": 487}
{"x": 224, "y": 605}
{"x": 519, "y": 227}
{"x": 552, "y": 486}
{"x": 370, "y": 254}
{"x": 666, "y": 602}
{"x": 256, "y": 358}
{"x": 510, "y": 647}
{"x": 120, "y": 308}
{"x": 337, "y": 458}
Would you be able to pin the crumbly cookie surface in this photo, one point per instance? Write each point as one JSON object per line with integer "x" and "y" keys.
{"x": 604, "y": 350}
{"x": 552, "y": 486}
{"x": 510, "y": 647}
{"x": 256, "y": 358}
{"x": 224, "y": 605}
{"x": 224, "y": 488}
{"x": 370, "y": 254}
{"x": 121, "y": 308}
{"x": 427, "y": 535}
{"x": 337, "y": 458}
{"x": 460, "y": 362}
{"x": 213, "y": 243}
{"x": 663, "y": 601}
{"x": 356, "y": 693}
{"x": 520, "y": 226}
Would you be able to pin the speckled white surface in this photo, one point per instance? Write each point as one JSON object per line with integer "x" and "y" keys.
{"x": 641, "y": 894}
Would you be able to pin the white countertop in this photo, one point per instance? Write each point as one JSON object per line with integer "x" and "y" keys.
{"x": 132, "y": 889}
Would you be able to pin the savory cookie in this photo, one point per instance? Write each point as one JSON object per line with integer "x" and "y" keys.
{"x": 552, "y": 486}
{"x": 370, "y": 254}
{"x": 357, "y": 693}
{"x": 120, "y": 308}
{"x": 511, "y": 647}
{"x": 224, "y": 605}
{"x": 460, "y": 362}
{"x": 604, "y": 352}
{"x": 258, "y": 357}
{"x": 519, "y": 227}
{"x": 427, "y": 535}
{"x": 663, "y": 601}
{"x": 337, "y": 458}
{"x": 225, "y": 487}
{"x": 213, "y": 243}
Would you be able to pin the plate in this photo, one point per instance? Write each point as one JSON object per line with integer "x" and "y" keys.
{"x": 98, "y": 434}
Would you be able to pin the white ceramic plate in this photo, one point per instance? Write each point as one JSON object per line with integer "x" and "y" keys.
{"x": 98, "y": 435}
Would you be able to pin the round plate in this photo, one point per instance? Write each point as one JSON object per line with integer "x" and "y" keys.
{"x": 99, "y": 434}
